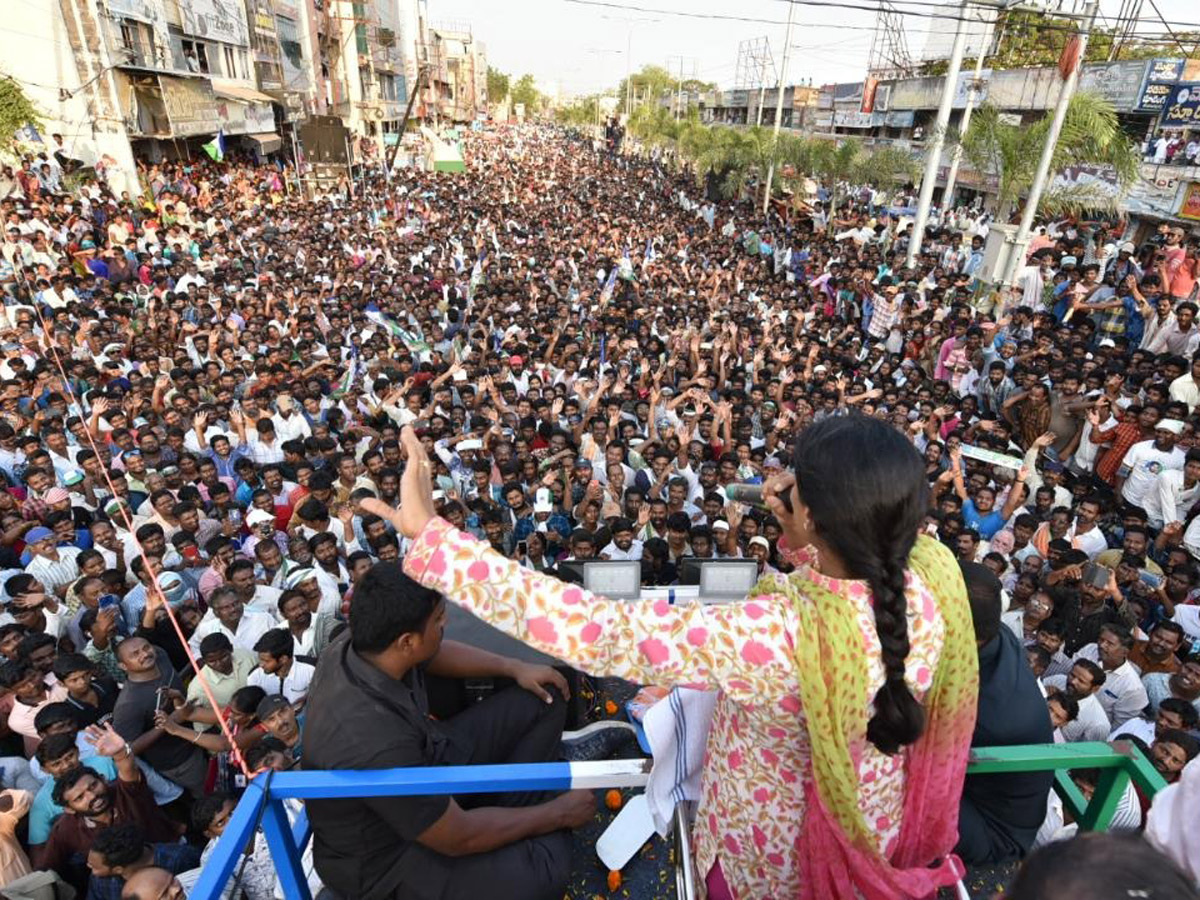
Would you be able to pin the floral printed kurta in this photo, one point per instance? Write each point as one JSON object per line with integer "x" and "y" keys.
{"x": 757, "y": 766}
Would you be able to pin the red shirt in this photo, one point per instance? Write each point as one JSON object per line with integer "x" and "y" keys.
{"x": 132, "y": 802}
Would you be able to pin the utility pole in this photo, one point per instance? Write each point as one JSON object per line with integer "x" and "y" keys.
{"x": 938, "y": 137}
{"x": 956, "y": 153}
{"x": 679, "y": 90}
{"x": 787, "y": 49}
{"x": 1017, "y": 257}
{"x": 629, "y": 72}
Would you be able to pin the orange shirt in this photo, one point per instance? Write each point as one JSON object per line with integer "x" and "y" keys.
{"x": 1137, "y": 656}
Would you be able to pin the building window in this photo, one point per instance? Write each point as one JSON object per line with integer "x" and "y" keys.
{"x": 387, "y": 87}
{"x": 195, "y": 56}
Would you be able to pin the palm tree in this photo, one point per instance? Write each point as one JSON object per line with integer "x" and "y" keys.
{"x": 1091, "y": 135}
{"x": 885, "y": 167}
{"x": 835, "y": 163}
{"x": 722, "y": 157}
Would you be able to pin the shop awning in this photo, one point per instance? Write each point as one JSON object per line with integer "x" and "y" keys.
{"x": 237, "y": 92}
{"x": 268, "y": 142}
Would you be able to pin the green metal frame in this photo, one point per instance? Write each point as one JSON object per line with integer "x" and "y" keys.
{"x": 261, "y": 805}
{"x": 1118, "y": 762}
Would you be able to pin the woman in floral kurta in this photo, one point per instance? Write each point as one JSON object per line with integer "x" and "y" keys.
{"x": 757, "y": 770}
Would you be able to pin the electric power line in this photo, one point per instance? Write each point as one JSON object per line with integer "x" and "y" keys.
{"x": 1145, "y": 37}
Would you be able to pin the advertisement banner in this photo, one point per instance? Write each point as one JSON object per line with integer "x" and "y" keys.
{"x": 848, "y": 92}
{"x": 1183, "y": 106}
{"x": 868, "y": 94}
{"x": 142, "y": 10}
{"x": 216, "y": 20}
{"x": 1120, "y": 83}
{"x": 968, "y": 85}
{"x": 1164, "y": 70}
{"x": 852, "y": 118}
{"x": 899, "y": 119}
{"x": 1155, "y": 95}
{"x": 190, "y": 105}
{"x": 1161, "y": 76}
{"x": 1190, "y": 207}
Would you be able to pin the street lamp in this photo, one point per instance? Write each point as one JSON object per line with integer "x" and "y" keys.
{"x": 599, "y": 50}
{"x": 629, "y": 20}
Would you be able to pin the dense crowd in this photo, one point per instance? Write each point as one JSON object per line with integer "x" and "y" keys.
{"x": 202, "y": 384}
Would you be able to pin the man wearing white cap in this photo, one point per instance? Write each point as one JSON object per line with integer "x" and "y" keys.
{"x": 318, "y": 587}
{"x": 760, "y": 552}
{"x": 262, "y": 528}
{"x": 1125, "y": 265}
{"x": 1146, "y": 460}
{"x": 554, "y": 527}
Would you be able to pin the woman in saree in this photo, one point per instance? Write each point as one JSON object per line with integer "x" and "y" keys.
{"x": 847, "y": 688}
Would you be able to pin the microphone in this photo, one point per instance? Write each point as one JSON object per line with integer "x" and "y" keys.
{"x": 752, "y": 495}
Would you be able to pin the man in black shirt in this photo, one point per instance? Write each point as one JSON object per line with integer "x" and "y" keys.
{"x": 367, "y": 709}
{"x": 1000, "y": 814}
{"x": 1088, "y": 608}
{"x": 151, "y": 684}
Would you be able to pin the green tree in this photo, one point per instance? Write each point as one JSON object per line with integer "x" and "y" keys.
{"x": 583, "y": 111}
{"x": 16, "y": 111}
{"x": 1091, "y": 135}
{"x": 497, "y": 85}
{"x": 1165, "y": 49}
{"x": 886, "y": 167}
{"x": 1028, "y": 38}
{"x": 835, "y": 162}
{"x": 652, "y": 83}
{"x": 525, "y": 91}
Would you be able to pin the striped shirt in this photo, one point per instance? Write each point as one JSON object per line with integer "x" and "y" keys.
{"x": 54, "y": 573}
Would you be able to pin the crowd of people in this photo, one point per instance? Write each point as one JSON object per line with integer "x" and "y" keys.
{"x": 202, "y": 394}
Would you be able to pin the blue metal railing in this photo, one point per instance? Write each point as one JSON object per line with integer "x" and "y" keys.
{"x": 262, "y": 805}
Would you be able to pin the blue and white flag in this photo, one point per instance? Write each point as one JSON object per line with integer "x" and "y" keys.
{"x": 607, "y": 291}
{"x": 476, "y": 276}
{"x": 626, "y": 266}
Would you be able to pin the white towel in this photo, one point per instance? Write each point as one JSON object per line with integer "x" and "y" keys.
{"x": 677, "y": 727}
{"x": 1174, "y": 817}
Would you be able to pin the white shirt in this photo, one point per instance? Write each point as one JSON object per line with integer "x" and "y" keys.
{"x": 1185, "y": 390}
{"x": 265, "y": 454}
{"x": 615, "y": 553}
{"x": 54, "y": 573}
{"x": 1169, "y": 500}
{"x": 1123, "y": 696}
{"x": 1091, "y": 542}
{"x": 1140, "y": 728}
{"x": 250, "y": 628}
{"x": 1092, "y": 723}
{"x": 1145, "y": 463}
{"x": 294, "y": 685}
{"x": 1032, "y": 283}
{"x": 1187, "y": 617}
{"x": 290, "y": 428}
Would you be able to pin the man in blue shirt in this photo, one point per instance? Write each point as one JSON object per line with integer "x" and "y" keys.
{"x": 979, "y": 512}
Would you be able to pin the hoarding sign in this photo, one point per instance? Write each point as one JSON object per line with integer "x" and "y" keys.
{"x": 1190, "y": 207}
{"x": 1182, "y": 109}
